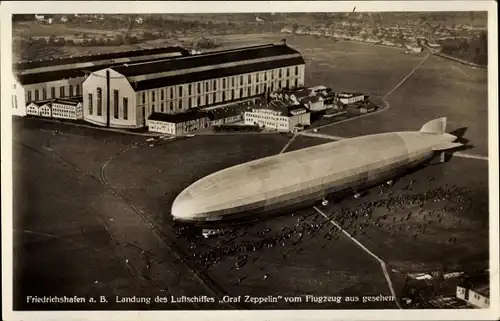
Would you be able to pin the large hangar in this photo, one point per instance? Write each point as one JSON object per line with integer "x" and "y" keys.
{"x": 125, "y": 96}
{"x": 61, "y": 78}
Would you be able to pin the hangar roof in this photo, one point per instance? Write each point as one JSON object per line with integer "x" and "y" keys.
{"x": 90, "y": 58}
{"x": 41, "y": 77}
{"x": 214, "y": 73}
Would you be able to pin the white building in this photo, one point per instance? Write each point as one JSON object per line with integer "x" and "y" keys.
{"x": 67, "y": 109}
{"x": 477, "y": 294}
{"x": 33, "y": 109}
{"x": 279, "y": 116}
{"x": 45, "y": 110}
{"x": 348, "y": 98}
{"x": 126, "y": 96}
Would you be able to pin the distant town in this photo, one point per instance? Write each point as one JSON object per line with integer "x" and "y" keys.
{"x": 462, "y": 36}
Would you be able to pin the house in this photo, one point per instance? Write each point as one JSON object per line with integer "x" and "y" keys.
{"x": 33, "y": 109}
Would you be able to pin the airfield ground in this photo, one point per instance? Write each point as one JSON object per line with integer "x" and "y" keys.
{"x": 93, "y": 196}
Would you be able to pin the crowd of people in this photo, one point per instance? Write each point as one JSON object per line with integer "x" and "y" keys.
{"x": 398, "y": 212}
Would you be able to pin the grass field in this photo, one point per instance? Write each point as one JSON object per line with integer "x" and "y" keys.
{"x": 301, "y": 253}
{"x": 438, "y": 88}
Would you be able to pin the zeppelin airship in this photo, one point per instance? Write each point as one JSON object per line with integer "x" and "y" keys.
{"x": 278, "y": 183}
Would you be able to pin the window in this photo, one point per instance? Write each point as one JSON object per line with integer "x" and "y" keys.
{"x": 215, "y": 85}
{"x": 232, "y": 81}
{"x": 180, "y": 104}
{"x": 71, "y": 90}
{"x": 256, "y": 89}
{"x": 99, "y": 101}
{"x": 162, "y": 94}
{"x": 265, "y": 76}
{"x": 224, "y": 83}
{"x": 29, "y": 95}
{"x": 90, "y": 104}
{"x": 214, "y": 98}
{"x": 153, "y": 94}
{"x": 241, "y": 92}
{"x": 279, "y": 73}
{"x": 249, "y": 91}
{"x": 296, "y": 70}
{"x": 171, "y": 105}
{"x": 162, "y": 107}
{"x": 61, "y": 91}
{"x": 232, "y": 94}
{"x": 143, "y": 98}
{"x": 198, "y": 101}
{"x": 180, "y": 91}
{"x": 115, "y": 103}
{"x": 199, "y": 88}
{"x": 241, "y": 80}
{"x": 189, "y": 90}
{"x": 206, "y": 86}
{"x": 288, "y": 72}
{"x": 249, "y": 79}
{"x": 44, "y": 93}
{"x": 190, "y": 103}
{"x": 52, "y": 92}
{"x": 287, "y": 83}
{"x": 171, "y": 93}
{"x": 125, "y": 108}
{"x": 296, "y": 83}
{"x": 152, "y": 108}
{"x": 223, "y": 96}
{"x": 36, "y": 95}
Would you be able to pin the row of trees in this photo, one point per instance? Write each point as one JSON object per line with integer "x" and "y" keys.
{"x": 86, "y": 40}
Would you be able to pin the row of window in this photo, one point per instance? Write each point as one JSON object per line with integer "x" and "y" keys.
{"x": 271, "y": 117}
{"x": 242, "y": 94}
{"x": 214, "y": 87}
{"x": 43, "y": 92}
{"x": 115, "y": 104}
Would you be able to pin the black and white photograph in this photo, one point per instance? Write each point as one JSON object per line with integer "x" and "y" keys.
{"x": 250, "y": 160}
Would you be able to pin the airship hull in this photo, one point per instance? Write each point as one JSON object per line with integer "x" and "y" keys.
{"x": 281, "y": 183}
{"x": 304, "y": 198}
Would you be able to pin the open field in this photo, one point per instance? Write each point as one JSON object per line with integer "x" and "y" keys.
{"x": 88, "y": 190}
{"x": 438, "y": 88}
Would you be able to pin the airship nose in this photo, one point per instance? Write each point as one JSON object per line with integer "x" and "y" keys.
{"x": 184, "y": 207}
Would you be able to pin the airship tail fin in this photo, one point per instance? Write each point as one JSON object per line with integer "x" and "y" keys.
{"x": 436, "y": 126}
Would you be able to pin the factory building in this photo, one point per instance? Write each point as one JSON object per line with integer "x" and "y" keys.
{"x": 278, "y": 115}
{"x": 62, "y": 78}
{"x": 126, "y": 96}
{"x": 178, "y": 124}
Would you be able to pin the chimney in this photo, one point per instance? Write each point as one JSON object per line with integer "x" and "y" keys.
{"x": 283, "y": 41}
